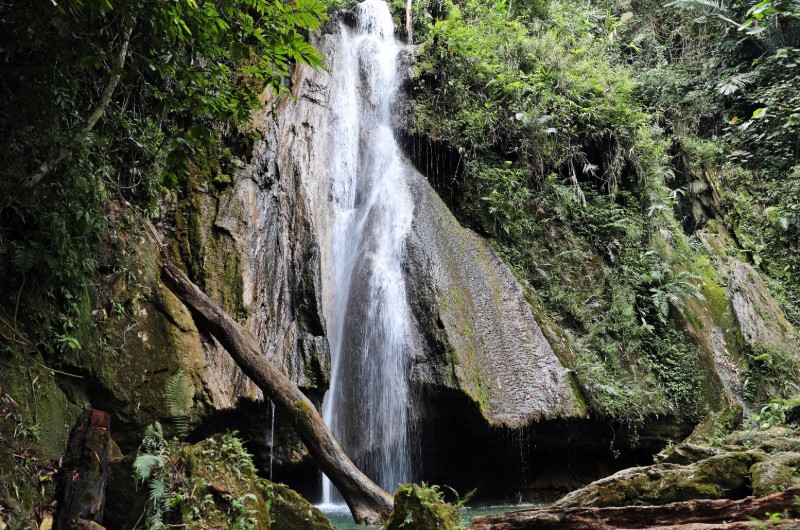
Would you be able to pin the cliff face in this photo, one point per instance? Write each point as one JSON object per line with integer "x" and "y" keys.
{"x": 490, "y": 371}
{"x": 474, "y": 332}
{"x": 480, "y": 361}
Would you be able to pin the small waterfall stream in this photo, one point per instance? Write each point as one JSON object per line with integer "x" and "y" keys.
{"x": 367, "y": 403}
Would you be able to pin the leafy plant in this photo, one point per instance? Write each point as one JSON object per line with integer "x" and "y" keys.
{"x": 149, "y": 468}
{"x": 176, "y": 396}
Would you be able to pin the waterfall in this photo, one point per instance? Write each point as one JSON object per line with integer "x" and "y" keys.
{"x": 366, "y": 405}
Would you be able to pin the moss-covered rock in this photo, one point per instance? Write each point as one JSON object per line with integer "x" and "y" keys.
{"x": 35, "y": 420}
{"x": 289, "y": 511}
{"x": 775, "y": 474}
{"x": 422, "y": 508}
{"x": 720, "y": 476}
{"x": 779, "y": 437}
{"x": 214, "y": 484}
{"x": 16, "y": 494}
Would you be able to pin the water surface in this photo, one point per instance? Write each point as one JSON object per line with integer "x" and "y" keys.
{"x": 340, "y": 516}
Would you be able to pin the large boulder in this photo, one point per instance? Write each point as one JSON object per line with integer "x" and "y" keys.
{"x": 721, "y": 476}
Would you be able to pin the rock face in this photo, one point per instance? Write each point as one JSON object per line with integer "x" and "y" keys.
{"x": 476, "y": 331}
{"x": 760, "y": 318}
{"x": 747, "y": 342}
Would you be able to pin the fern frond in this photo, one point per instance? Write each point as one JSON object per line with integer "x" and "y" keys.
{"x": 24, "y": 259}
{"x": 157, "y": 489}
{"x": 176, "y": 397}
{"x": 145, "y": 464}
{"x": 708, "y": 8}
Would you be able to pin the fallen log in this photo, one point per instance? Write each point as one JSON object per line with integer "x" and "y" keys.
{"x": 677, "y": 515}
{"x": 368, "y": 503}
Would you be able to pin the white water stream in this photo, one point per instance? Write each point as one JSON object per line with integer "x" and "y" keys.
{"x": 366, "y": 406}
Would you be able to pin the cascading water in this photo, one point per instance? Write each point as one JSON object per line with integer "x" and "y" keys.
{"x": 366, "y": 406}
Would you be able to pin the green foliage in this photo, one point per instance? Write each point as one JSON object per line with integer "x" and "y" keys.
{"x": 771, "y": 371}
{"x": 192, "y": 69}
{"x": 179, "y": 480}
{"x": 176, "y": 396}
{"x": 420, "y": 507}
{"x": 569, "y": 174}
{"x": 150, "y": 468}
{"x": 776, "y": 413}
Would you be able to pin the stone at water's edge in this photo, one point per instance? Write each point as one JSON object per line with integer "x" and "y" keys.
{"x": 421, "y": 508}
{"x": 705, "y": 514}
{"x": 717, "y": 477}
{"x": 750, "y": 462}
{"x": 221, "y": 489}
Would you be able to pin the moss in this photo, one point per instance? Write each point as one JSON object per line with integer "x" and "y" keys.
{"x": 775, "y": 474}
{"x": 289, "y": 511}
{"x": 422, "y": 508}
{"x": 214, "y": 484}
{"x": 221, "y": 490}
{"x": 43, "y": 416}
{"x": 17, "y": 494}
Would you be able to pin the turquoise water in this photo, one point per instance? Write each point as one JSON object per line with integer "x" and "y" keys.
{"x": 340, "y": 516}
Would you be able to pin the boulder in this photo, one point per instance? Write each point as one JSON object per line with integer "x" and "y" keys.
{"x": 721, "y": 476}
{"x": 775, "y": 474}
{"x": 422, "y": 508}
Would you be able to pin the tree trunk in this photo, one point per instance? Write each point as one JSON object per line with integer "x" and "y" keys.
{"x": 368, "y": 503}
{"x": 409, "y": 22}
{"x": 85, "y": 471}
{"x": 688, "y": 515}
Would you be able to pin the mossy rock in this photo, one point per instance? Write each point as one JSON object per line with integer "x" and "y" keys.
{"x": 16, "y": 494}
{"x": 422, "y": 508}
{"x": 221, "y": 490}
{"x": 721, "y": 476}
{"x": 214, "y": 485}
{"x": 689, "y": 453}
{"x": 775, "y": 474}
{"x": 289, "y": 511}
{"x": 765, "y": 438}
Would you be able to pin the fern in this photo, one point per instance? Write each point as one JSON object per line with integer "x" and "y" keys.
{"x": 157, "y": 489}
{"x": 708, "y": 8}
{"x": 176, "y": 397}
{"x": 149, "y": 467}
{"x": 146, "y": 464}
{"x": 735, "y": 83}
{"x": 24, "y": 259}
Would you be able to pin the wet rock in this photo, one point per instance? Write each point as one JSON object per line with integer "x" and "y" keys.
{"x": 289, "y": 511}
{"x": 476, "y": 333}
{"x": 421, "y": 508}
{"x": 469, "y": 307}
{"x": 720, "y": 476}
{"x": 221, "y": 490}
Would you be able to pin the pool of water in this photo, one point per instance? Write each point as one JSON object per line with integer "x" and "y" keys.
{"x": 340, "y": 516}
